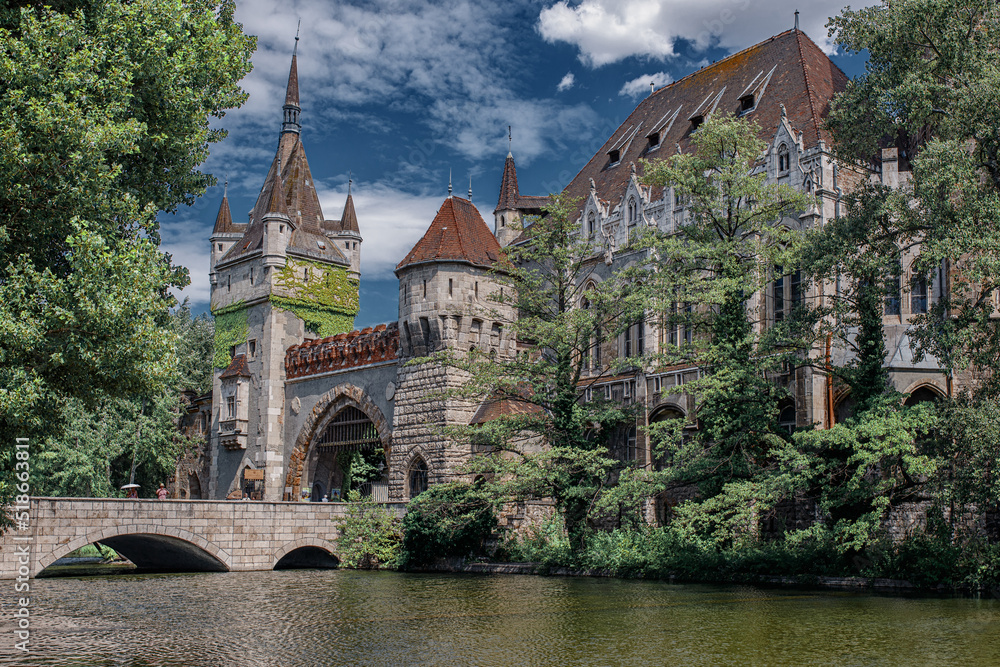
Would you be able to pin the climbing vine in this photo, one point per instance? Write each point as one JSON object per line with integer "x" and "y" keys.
{"x": 230, "y": 330}
{"x": 323, "y": 296}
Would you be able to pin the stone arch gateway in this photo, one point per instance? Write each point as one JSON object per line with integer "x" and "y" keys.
{"x": 327, "y": 408}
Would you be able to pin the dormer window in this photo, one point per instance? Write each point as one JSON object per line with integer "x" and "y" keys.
{"x": 696, "y": 122}
{"x": 747, "y": 103}
{"x": 784, "y": 159}
{"x": 321, "y": 244}
{"x": 615, "y": 155}
{"x": 654, "y": 141}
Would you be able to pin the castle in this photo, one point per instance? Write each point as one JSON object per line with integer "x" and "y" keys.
{"x": 297, "y": 393}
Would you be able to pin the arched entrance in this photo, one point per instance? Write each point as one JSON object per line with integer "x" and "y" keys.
{"x": 348, "y": 455}
{"x": 344, "y": 427}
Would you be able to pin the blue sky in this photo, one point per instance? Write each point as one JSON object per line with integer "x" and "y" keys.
{"x": 398, "y": 92}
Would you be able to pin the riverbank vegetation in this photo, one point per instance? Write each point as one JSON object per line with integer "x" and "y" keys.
{"x": 898, "y": 485}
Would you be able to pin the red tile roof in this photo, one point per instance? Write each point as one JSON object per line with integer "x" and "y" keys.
{"x": 797, "y": 73}
{"x": 345, "y": 350}
{"x": 237, "y": 368}
{"x": 493, "y": 408}
{"x": 457, "y": 234}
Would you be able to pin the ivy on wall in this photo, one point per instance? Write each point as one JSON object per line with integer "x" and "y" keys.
{"x": 326, "y": 301}
{"x": 230, "y": 330}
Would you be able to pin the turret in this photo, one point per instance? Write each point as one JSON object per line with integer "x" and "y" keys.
{"x": 224, "y": 234}
{"x": 291, "y": 109}
{"x": 346, "y": 235}
{"x": 507, "y": 216}
{"x": 278, "y": 226}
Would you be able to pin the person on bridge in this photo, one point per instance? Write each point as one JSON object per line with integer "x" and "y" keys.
{"x": 162, "y": 492}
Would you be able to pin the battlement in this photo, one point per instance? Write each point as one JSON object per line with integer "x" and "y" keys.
{"x": 343, "y": 351}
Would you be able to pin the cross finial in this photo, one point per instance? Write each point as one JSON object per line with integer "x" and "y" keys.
{"x": 296, "y": 48}
{"x": 449, "y": 181}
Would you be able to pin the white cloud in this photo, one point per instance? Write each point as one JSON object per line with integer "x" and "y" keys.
{"x": 451, "y": 64}
{"x": 640, "y": 85}
{"x": 567, "y": 82}
{"x": 608, "y": 31}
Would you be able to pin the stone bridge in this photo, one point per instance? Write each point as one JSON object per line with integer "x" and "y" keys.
{"x": 180, "y": 535}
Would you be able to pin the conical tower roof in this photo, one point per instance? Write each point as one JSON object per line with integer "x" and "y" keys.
{"x": 349, "y": 220}
{"x": 292, "y": 90}
{"x": 508, "y": 186}
{"x": 224, "y": 220}
{"x": 457, "y": 234}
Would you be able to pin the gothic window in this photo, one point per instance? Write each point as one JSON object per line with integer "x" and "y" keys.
{"x": 778, "y": 294}
{"x": 918, "y": 294}
{"x": 634, "y": 339}
{"x": 786, "y": 419}
{"x": 591, "y": 225}
{"x": 418, "y": 477}
{"x": 633, "y": 217}
{"x": 784, "y": 159}
{"x": 503, "y": 221}
{"x": 892, "y": 293}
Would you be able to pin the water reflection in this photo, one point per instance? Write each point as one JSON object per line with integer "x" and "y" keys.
{"x": 382, "y": 618}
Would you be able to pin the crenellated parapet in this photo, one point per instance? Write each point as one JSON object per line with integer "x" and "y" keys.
{"x": 343, "y": 351}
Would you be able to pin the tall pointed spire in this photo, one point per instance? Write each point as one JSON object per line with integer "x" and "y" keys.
{"x": 291, "y": 110}
{"x": 508, "y": 186}
{"x": 349, "y": 220}
{"x": 224, "y": 220}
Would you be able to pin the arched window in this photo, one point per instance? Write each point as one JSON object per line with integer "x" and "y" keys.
{"x": 632, "y": 216}
{"x": 918, "y": 294}
{"x": 786, "y": 419}
{"x": 784, "y": 159}
{"x": 892, "y": 292}
{"x": 418, "y": 477}
{"x": 503, "y": 221}
{"x": 591, "y": 225}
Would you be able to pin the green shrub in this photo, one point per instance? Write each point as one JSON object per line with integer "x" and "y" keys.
{"x": 370, "y": 535}
{"x": 447, "y": 520}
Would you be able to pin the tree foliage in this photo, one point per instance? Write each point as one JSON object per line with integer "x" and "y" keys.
{"x": 104, "y": 118}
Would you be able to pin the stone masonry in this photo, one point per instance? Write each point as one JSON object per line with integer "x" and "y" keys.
{"x": 176, "y": 534}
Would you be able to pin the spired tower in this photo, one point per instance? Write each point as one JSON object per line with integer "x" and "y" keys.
{"x": 508, "y": 216}
{"x": 276, "y": 281}
{"x": 444, "y": 285}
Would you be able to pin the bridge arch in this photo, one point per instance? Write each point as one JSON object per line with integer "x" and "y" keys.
{"x": 329, "y": 405}
{"x": 313, "y": 553}
{"x": 153, "y": 547}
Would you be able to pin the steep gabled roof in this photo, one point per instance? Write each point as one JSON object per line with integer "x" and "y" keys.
{"x": 294, "y": 195}
{"x": 798, "y": 75}
{"x": 457, "y": 234}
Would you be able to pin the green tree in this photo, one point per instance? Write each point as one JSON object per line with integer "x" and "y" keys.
{"x": 733, "y": 241}
{"x": 195, "y": 347}
{"x": 553, "y": 444}
{"x": 104, "y": 117}
{"x": 932, "y": 87}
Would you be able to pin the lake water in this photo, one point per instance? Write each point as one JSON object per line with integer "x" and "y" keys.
{"x": 331, "y": 617}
